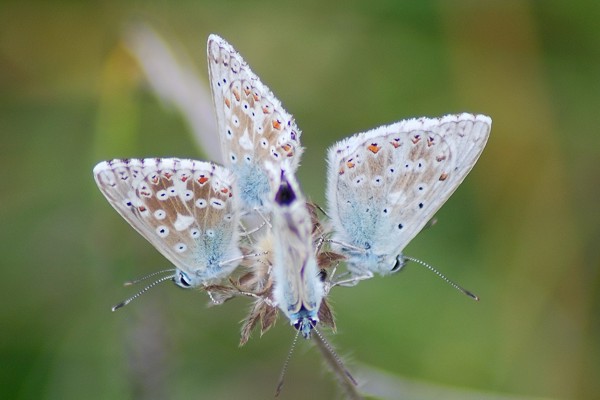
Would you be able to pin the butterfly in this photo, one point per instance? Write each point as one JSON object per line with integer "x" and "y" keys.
{"x": 256, "y": 133}
{"x": 297, "y": 289}
{"x": 384, "y": 185}
{"x": 187, "y": 209}
{"x": 289, "y": 271}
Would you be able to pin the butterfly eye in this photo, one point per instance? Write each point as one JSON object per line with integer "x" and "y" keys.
{"x": 182, "y": 280}
{"x": 399, "y": 264}
{"x": 322, "y": 275}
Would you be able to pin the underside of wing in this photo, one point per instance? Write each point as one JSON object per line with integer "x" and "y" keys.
{"x": 255, "y": 130}
{"x": 185, "y": 208}
{"x": 384, "y": 185}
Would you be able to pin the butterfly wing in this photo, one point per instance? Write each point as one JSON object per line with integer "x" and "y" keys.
{"x": 185, "y": 208}
{"x": 256, "y": 132}
{"x": 386, "y": 184}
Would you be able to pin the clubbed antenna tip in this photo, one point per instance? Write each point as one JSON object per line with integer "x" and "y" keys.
{"x": 141, "y": 292}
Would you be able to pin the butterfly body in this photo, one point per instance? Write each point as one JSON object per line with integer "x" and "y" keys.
{"x": 298, "y": 290}
{"x": 384, "y": 185}
{"x": 187, "y": 209}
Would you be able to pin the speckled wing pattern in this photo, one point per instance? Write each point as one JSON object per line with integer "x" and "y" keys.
{"x": 187, "y": 209}
{"x": 384, "y": 185}
{"x": 256, "y": 133}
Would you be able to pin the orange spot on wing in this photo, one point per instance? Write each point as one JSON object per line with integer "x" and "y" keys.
{"x": 265, "y": 110}
{"x": 142, "y": 208}
{"x": 276, "y": 124}
{"x": 374, "y": 148}
{"x": 256, "y": 96}
{"x": 443, "y": 176}
{"x": 236, "y": 94}
{"x": 228, "y": 103}
{"x": 184, "y": 178}
{"x": 224, "y": 190}
{"x": 341, "y": 171}
{"x": 202, "y": 180}
{"x": 246, "y": 91}
{"x": 350, "y": 164}
{"x": 395, "y": 143}
{"x": 289, "y": 150}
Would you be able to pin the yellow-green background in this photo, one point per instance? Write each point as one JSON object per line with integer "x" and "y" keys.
{"x": 522, "y": 231}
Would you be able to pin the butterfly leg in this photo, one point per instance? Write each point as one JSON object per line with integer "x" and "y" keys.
{"x": 221, "y": 293}
{"x": 248, "y": 233}
{"x": 264, "y": 217}
{"x": 353, "y": 280}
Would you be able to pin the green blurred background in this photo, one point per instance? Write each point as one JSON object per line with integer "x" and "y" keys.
{"x": 522, "y": 231}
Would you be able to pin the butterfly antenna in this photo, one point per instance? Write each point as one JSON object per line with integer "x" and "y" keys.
{"x": 319, "y": 244}
{"x": 285, "y": 365}
{"x": 141, "y": 292}
{"x": 347, "y": 245}
{"x": 439, "y": 274}
{"x": 145, "y": 277}
{"x": 332, "y": 358}
{"x": 247, "y": 233}
{"x": 321, "y": 209}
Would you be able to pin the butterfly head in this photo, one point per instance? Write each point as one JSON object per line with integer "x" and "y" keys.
{"x": 399, "y": 263}
{"x": 185, "y": 280}
{"x": 361, "y": 262}
{"x": 305, "y": 322}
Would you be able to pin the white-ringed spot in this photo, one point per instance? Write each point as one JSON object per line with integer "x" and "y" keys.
{"x": 180, "y": 247}
{"x": 201, "y": 203}
{"x": 187, "y": 195}
{"x": 377, "y": 181}
{"x": 162, "y": 231}
{"x": 216, "y": 203}
{"x": 195, "y": 233}
{"x": 162, "y": 195}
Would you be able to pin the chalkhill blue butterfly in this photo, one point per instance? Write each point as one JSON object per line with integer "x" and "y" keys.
{"x": 187, "y": 209}
{"x": 256, "y": 133}
{"x": 297, "y": 288}
{"x": 384, "y": 185}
